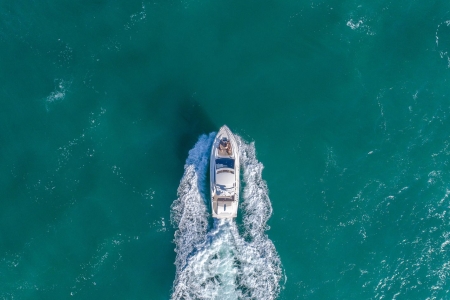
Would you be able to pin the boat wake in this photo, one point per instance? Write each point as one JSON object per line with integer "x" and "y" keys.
{"x": 219, "y": 262}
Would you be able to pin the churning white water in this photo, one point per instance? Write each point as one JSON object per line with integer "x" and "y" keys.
{"x": 219, "y": 262}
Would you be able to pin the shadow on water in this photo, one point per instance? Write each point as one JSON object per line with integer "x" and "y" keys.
{"x": 179, "y": 114}
{"x": 191, "y": 122}
{"x": 165, "y": 123}
{"x": 182, "y": 115}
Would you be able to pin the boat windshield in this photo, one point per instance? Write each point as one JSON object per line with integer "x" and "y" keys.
{"x": 224, "y": 163}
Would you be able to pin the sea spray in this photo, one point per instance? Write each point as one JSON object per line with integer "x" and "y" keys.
{"x": 220, "y": 263}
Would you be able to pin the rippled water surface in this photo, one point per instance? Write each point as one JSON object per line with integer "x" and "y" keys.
{"x": 108, "y": 111}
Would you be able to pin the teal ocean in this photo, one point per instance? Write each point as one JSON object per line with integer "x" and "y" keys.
{"x": 342, "y": 113}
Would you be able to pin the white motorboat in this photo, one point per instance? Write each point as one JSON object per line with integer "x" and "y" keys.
{"x": 224, "y": 175}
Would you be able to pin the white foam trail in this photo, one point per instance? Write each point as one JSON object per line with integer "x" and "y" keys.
{"x": 189, "y": 213}
{"x": 220, "y": 263}
{"x": 262, "y": 264}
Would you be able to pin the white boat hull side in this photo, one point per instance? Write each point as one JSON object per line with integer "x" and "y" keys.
{"x": 224, "y": 176}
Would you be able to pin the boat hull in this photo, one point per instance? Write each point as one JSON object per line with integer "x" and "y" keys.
{"x": 224, "y": 175}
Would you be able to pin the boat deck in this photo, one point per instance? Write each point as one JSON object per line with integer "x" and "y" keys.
{"x": 220, "y": 202}
{"x": 224, "y": 159}
{"x": 224, "y": 153}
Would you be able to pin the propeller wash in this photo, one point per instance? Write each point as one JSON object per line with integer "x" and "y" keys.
{"x": 219, "y": 262}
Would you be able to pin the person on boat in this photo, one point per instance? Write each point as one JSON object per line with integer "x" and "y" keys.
{"x": 225, "y": 145}
{"x": 228, "y": 147}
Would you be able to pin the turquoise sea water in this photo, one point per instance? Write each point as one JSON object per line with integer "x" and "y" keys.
{"x": 107, "y": 108}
